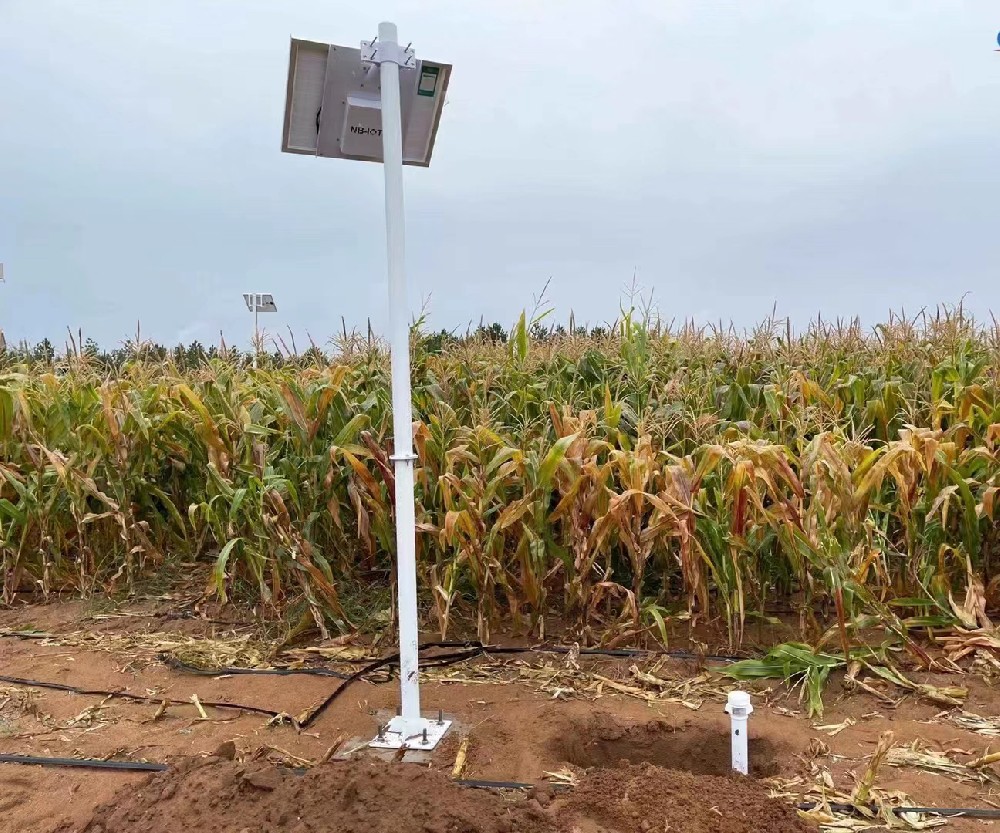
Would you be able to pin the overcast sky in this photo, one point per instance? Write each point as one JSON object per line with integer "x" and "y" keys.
{"x": 839, "y": 158}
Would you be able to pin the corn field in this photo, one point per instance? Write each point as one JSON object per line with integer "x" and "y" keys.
{"x": 615, "y": 482}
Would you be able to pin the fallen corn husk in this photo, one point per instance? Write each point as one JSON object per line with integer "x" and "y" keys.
{"x": 460, "y": 757}
{"x": 989, "y": 726}
{"x": 834, "y": 729}
{"x": 917, "y": 755}
{"x": 864, "y": 788}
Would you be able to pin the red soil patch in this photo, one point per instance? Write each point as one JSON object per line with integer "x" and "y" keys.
{"x": 654, "y": 800}
{"x": 603, "y": 741}
{"x": 216, "y": 796}
{"x": 349, "y": 797}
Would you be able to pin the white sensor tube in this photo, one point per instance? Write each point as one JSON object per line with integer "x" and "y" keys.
{"x": 739, "y": 709}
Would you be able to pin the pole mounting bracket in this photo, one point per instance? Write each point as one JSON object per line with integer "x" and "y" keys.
{"x": 378, "y": 52}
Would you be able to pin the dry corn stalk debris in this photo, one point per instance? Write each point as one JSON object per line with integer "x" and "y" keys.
{"x": 919, "y": 755}
{"x": 460, "y": 758}
{"x": 561, "y": 681}
{"x": 964, "y": 643}
{"x": 869, "y": 805}
{"x": 864, "y": 788}
{"x": 563, "y": 776}
{"x": 244, "y": 650}
{"x": 833, "y": 729}
{"x": 989, "y": 726}
{"x": 837, "y": 809}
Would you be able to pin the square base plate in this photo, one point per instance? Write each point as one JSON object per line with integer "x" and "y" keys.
{"x": 408, "y": 733}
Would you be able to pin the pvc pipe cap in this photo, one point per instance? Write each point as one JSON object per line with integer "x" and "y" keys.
{"x": 738, "y": 701}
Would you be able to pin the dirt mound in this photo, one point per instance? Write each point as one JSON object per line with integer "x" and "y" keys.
{"x": 604, "y": 742}
{"x": 375, "y": 797}
{"x": 651, "y": 800}
{"x": 349, "y": 797}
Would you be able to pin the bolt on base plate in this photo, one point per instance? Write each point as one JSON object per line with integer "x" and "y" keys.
{"x": 409, "y": 733}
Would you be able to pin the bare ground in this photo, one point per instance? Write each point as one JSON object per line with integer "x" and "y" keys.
{"x": 533, "y": 716}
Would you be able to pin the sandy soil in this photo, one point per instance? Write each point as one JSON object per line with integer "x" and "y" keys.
{"x": 515, "y": 730}
{"x": 381, "y": 797}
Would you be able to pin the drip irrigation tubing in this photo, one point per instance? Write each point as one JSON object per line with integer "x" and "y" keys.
{"x": 466, "y": 650}
{"x": 83, "y": 763}
{"x": 477, "y": 784}
{"x": 621, "y": 653}
{"x": 610, "y": 652}
{"x": 469, "y": 650}
{"x": 135, "y": 698}
{"x": 308, "y": 719}
{"x": 436, "y": 661}
{"x": 179, "y": 665}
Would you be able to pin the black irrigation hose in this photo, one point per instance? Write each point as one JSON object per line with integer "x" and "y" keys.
{"x": 439, "y": 661}
{"x": 135, "y": 698}
{"x": 468, "y": 650}
{"x": 83, "y": 763}
{"x": 476, "y": 784}
{"x": 470, "y": 644}
{"x": 179, "y": 665}
{"x": 308, "y": 719}
{"x": 967, "y": 812}
{"x": 27, "y": 635}
{"x": 562, "y": 649}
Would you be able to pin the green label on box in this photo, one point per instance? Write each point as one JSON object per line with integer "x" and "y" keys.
{"x": 428, "y": 80}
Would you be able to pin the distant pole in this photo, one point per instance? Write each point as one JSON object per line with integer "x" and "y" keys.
{"x": 257, "y": 303}
{"x": 402, "y": 416}
{"x": 256, "y": 329}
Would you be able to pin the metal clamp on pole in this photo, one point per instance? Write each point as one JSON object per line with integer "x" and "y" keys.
{"x": 380, "y": 51}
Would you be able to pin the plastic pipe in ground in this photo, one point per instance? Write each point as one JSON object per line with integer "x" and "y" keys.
{"x": 739, "y": 709}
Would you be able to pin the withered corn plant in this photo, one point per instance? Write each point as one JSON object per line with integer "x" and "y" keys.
{"x": 610, "y": 481}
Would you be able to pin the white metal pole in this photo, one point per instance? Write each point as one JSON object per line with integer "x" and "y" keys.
{"x": 256, "y": 329}
{"x": 402, "y": 418}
